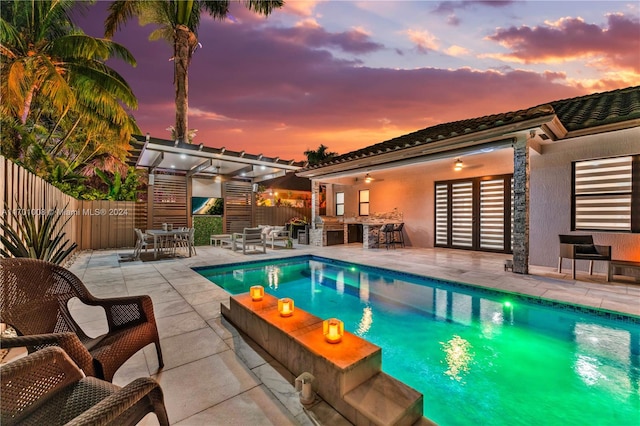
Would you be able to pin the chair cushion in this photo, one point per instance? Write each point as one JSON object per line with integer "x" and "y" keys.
{"x": 586, "y": 249}
{"x": 266, "y": 230}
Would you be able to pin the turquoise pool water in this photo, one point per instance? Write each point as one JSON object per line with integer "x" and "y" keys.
{"x": 479, "y": 357}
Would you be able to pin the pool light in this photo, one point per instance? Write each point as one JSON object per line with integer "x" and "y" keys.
{"x": 257, "y": 292}
{"x": 333, "y": 330}
{"x": 285, "y": 307}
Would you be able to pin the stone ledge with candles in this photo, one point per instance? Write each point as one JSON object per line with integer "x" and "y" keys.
{"x": 344, "y": 370}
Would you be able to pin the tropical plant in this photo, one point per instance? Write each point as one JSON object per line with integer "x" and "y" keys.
{"x": 119, "y": 189}
{"x": 36, "y": 234}
{"x": 178, "y": 22}
{"x": 56, "y": 90}
{"x": 320, "y": 155}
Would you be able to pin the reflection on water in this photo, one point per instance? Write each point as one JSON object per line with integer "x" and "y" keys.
{"x": 273, "y": 276}
{"x": 365, "y": 323}
{"x": 458, "y": 357}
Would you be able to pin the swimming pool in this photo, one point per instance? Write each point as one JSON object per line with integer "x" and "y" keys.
{"x": 480, "y": 357}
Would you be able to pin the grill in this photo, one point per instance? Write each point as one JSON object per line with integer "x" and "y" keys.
{"x": 332, "y": 230}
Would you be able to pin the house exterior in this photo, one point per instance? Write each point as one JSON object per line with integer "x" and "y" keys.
{"x": 569, "y": 166}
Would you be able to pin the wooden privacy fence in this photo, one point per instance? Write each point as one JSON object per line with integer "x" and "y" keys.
{"x": 280, "y": 215}
{"x": 92, "y": 224}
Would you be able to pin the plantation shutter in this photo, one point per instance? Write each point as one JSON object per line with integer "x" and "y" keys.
{"x": 492, "y": 214}
{"x": 462, "y": 214}
{"x": 602, "y": 191}
{"x": 442, "y": 213}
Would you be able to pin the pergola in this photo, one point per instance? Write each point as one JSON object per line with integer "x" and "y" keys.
{"x": 161, "y": 155}
{"x": 178, "y": 169}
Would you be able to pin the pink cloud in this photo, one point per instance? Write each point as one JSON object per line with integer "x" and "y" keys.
{"x": 617, "y": 43}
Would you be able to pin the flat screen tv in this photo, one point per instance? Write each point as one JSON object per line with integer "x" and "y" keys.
{"x": 206, "y": 206}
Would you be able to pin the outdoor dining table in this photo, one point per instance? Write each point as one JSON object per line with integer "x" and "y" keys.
{"x": 164, "y": 235}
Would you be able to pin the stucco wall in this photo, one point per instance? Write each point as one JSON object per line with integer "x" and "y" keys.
{"x": 550, "y": 212}
{"x": 410, "y": 189}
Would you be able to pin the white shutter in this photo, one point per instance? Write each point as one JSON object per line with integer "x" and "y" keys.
{"x": 462, "y": 214}
{"x": 603, "y": 194}
{"x": 442, "y": 203}
{"x": 492, "y": 214}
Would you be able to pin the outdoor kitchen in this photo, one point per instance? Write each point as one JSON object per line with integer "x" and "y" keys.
{"x": 334, "y": 230}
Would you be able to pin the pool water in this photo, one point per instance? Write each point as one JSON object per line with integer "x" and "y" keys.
{"x": 478, "y": 357}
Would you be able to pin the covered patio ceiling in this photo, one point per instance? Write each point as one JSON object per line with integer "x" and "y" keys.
{"x": 198, "y": 160}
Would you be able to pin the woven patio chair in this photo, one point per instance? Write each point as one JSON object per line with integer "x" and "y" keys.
{"x": 35, "y": 298}
{"x": 47, "y": 388}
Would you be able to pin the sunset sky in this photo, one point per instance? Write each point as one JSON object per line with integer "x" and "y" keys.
{"x": 348, "y": 74}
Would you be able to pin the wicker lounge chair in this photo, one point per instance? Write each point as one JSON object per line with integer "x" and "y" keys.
{"x": 35, "y": 301}
{"x": 47, "y": 388}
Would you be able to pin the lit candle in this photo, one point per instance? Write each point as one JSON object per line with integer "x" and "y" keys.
{"x": 285, "y": 307}
{"x": 333, "y": 330}
{"x": 257, "y": 292}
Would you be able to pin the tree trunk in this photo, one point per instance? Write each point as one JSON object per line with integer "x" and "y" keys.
{"x": 26, "y": 108}
{"x": 182, "y": 55}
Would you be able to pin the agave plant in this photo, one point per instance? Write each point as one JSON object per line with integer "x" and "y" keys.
{"x": 36, "y": 234}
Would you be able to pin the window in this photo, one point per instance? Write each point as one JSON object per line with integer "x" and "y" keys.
{"x": 363, "y": 209}
{"x": 339, "y": 203}
{"x": 606, "y": 194}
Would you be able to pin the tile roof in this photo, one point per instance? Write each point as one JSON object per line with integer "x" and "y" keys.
{"x": 598, "y": 109}
{"x": 575, "y": 114}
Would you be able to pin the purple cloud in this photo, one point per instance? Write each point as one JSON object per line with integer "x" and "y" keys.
{"x": 618, "y": 42}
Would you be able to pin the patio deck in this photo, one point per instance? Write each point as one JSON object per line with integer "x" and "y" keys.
{"x": 212, "y": 376}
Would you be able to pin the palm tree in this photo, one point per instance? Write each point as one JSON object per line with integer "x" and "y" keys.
{"x": 54, "y": 76}
{"x": 178, "y": 22}
{"x": 320, "y": 155}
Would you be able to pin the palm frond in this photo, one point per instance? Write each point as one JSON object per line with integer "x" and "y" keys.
{"x": 263, "y": 7}
{"x": 84, "y": 47}
{"x": 120, "y": 11}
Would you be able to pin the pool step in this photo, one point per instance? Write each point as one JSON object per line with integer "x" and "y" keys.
{"x": 348, "y": 375}
{"x": 383, "y": 400}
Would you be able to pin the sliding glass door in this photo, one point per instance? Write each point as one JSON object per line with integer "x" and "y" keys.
{"x": 474, "y": 213}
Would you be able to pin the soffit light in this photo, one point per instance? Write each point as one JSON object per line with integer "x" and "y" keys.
{"x": 458, "y": 165}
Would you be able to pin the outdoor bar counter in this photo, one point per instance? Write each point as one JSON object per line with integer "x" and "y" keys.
{"x": 364, "y": 229}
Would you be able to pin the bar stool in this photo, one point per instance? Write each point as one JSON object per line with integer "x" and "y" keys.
{"x": 398, "y": 236}
{"x": 388, "y": 231}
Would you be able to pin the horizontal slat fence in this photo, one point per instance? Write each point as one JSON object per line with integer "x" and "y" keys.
{"x": 280, "y": 215}
{"x": 92, "y": 224}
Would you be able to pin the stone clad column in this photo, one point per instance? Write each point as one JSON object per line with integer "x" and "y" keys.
{"x": 521, "y": 175}
{"x": 315, "y": 235}
{"x": 315, "y": 201}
